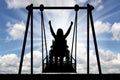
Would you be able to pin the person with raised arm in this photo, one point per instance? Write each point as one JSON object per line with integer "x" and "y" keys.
{"x": 59, "y": 47}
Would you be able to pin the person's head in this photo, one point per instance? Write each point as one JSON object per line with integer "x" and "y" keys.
{"x": 59, "y": 32}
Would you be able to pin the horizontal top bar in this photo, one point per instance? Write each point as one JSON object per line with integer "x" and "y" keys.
{"x": 76, "y": 7}
{"x": 60, "y": 7}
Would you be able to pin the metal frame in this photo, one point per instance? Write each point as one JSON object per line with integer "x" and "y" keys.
{"x": 30, "y": 9}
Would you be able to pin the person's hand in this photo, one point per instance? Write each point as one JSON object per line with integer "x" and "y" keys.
{"x": 49, "y": 22}
{"x": 71, "y": 22}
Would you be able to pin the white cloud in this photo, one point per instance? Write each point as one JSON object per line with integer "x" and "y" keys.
{"x": 110, "y": 62}
{"x": 16, "y": 3}
{"x": 101, "y": 27}
{"x": 15, "y": 31}
{"x": 9, "y": 63}
{"x": 97, "y": 4}
{"x": 106, "y": 27}
{"x": 100, "y": 7}
{"x": 107, "y": 55}
{"x": 116, "y": 31}
{"x": 23, "y": 3}
{"x": 80, "y": 1}
{"x": 37, "y": 62}
{"x": 81, "y": 58}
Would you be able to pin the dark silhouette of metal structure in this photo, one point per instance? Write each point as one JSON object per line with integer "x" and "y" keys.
{"x": 45, "y": 60}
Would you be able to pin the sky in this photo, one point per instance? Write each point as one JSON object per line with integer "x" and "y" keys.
{"x": 13, "y": 17}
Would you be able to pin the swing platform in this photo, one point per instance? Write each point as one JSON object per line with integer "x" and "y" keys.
{"x": 65, "y": 68}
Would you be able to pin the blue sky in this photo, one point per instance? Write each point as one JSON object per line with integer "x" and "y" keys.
{"x": 13, "y": 18}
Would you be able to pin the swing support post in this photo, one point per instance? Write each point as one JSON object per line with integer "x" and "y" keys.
{"x": 25, "y": 40}
{"x": 90, "y": 8}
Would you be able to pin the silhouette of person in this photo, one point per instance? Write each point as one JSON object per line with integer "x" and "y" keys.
{"x": 59, "y": 45}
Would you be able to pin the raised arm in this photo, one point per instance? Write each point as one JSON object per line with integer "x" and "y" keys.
{"x": 51, "y": 30}
{"x": 67, "y": 33}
